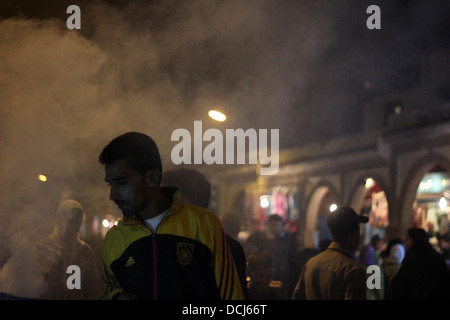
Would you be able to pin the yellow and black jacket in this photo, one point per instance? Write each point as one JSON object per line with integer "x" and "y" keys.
{"x": 187, "y": 257}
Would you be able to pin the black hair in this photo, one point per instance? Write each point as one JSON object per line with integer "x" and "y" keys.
{"x": 139, "y": 150}
{"x": 392, "y": 243}
{"x": 343, "y": 222}
{"x": 419, "y": 237}
{"x": 259, "y": 258}
{"x": 375, "y": 239}
{"x": 274, "y": 217}
{"x": 191, "y": 183}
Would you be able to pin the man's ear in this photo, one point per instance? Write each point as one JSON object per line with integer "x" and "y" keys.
{"x": 153, "y": 178}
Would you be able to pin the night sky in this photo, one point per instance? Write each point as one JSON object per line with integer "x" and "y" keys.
{"x": 304, "y": 67}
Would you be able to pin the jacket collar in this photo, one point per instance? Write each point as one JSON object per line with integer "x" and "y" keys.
{"x": 336, "y": 246}
{"x": 171, "y": 193}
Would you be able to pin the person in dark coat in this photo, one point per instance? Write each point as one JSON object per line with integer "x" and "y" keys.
{"x": 261, "y": 286}
{"x": 278, "y": 242}
{"x": 196, "y": 189}
{"x": 423, "y": 274}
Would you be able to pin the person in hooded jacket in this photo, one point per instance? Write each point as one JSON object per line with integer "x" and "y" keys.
{"x": 64, "y": 248}
{"x": 196, "y": 189}
{"x": 395, "y": 253}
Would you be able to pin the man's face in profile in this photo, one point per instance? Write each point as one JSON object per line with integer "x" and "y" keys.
{"x": 261, "y": 276}
{"x": 128, "y": 187}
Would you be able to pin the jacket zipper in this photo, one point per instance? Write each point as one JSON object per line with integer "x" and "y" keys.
{"x": 155, "y": 278}
{"x": 155, "y": 268}
{"x": 155, "y": 271}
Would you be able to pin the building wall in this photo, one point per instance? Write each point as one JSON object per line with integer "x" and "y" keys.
{"x": 405, "y": 135}
{"x": 396, "y": 160}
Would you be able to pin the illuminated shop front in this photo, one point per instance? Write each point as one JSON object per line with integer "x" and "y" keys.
{"x": 376, "y": 207}
{"x": 282, "y": 200}
{"x": 431, "y": 208}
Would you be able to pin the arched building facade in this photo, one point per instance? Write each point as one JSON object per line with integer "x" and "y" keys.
{"x": 397, "y": 170}
{"x": 378, "y": 174}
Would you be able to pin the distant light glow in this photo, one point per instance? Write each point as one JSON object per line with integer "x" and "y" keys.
{"x": 264, "y": 202}
{"x": 42, "y": 178}
{"x": 443, "y": 203}
{"x": 369, "y": 183}
{"x": 105, "y": 223}
{"x": 216, "y": 115}
{"x": 333, "y": 207}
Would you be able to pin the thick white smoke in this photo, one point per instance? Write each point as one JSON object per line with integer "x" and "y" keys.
{"x": 155, "y": 66}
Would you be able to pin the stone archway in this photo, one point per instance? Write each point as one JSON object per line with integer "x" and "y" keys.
{"x": 359, "y": 191}
{"x": 321, "y": 198}
{"x": 410, "y": 185}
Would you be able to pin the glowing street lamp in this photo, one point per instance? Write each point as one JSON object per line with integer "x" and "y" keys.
{"x": 42, "y": 178}
{"x": 216, "y": 115}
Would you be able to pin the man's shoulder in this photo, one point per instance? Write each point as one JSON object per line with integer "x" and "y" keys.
{"x": 197, "y": 212}
{"x": 335, "y": 258}
{"x": 322, "y": 256}
{"x": 126, "y": 225}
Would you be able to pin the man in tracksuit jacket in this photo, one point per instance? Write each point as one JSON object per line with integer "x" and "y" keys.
{"x": 162, "y": 248}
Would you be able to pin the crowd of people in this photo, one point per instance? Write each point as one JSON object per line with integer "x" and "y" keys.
{"x": 169, "y": 246}
{"x": 410, "y": 267}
